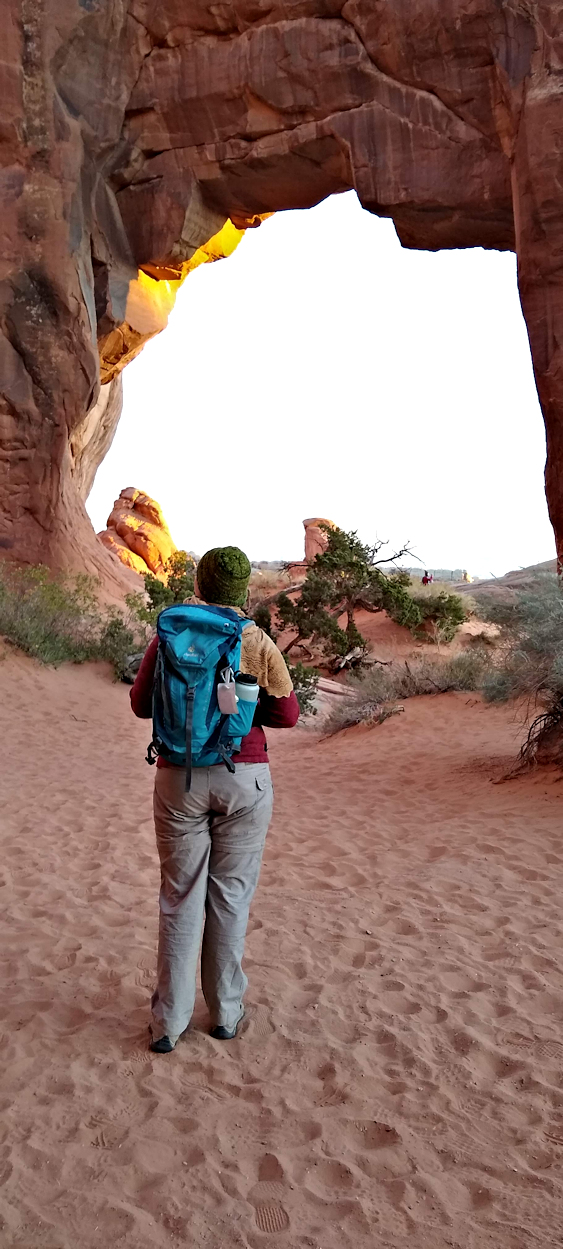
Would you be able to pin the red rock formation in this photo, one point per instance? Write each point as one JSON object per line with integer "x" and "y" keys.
{"x": 316, "y": 540}
{"x": 315, "y": 544}
{"x": 130, "y": 134}
{"x": 137, "y": 533}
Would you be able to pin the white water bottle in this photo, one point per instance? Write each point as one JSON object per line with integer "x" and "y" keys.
{"x": 247, "y": 688}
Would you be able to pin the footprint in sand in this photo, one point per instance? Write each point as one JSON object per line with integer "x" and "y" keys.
{"x": 547, "y": 1049}
{"x": 267, "y": 1196}
{"x": 6, "y": 1167}
{"x": 257, "y": 1025}
{"x": 369, "y": 1133}
{"x": 115, "y": 1112}
{"x": 145, "y": 978}
{"x": 140, "y": 1058}
{"x": 103, "y": 998}
{"x": 147, "y": 963}
{"x": 108, "y": 1137}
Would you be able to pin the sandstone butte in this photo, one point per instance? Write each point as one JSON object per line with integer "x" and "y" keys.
{"x": 140, "y": 139}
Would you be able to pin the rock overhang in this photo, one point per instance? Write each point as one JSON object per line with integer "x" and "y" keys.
{"x": 133, "y": 138}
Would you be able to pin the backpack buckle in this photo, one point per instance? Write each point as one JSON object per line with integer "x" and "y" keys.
{"x": 152, "y": 754}
{"x": 222, "y": 750}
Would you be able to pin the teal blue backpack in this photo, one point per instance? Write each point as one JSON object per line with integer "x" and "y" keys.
{"x": 196, "y": 645}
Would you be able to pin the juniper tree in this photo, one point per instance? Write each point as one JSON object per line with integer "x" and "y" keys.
{"x": 345, "y": 578}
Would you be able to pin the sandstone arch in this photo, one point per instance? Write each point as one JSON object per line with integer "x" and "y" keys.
{"x": 134, "y": 132}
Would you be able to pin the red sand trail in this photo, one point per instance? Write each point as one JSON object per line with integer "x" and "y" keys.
{"x": 399, "y": 1079}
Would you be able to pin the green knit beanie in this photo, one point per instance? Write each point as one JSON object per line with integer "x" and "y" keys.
{"x": 223, "y": 575}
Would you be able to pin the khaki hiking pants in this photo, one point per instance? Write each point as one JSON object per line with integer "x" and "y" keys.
{"x": 210, "y": 842}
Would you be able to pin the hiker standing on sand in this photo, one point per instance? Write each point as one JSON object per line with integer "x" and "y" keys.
{"x": 213, "y": 792}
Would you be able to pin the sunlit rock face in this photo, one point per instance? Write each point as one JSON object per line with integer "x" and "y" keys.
{"x": 150, "y": 299}
{"x": 137, "y": 533}
{"x": 316, "y": 541}
{"x": 134, "y": 135}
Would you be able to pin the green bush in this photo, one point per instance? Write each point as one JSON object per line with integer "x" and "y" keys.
{"x": 179, "y": 585}
{"x": 119, "y": 641}
{"x": 144, "y": 609}
{"x": 52, "y": 618}
{"x": 530, "y": 656}
{"x": 445, "y": 612}
{"x": 57, "y": 619}
{"x": 372, "y": 697}
{"x": 529, "y": 662}
{"x": 305, "y": 681}
{"x": 405, "y": 611}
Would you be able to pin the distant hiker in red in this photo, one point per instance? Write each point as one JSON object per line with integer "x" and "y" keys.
{"x": 211, "y": 680}
{"x": 427, "y": 578}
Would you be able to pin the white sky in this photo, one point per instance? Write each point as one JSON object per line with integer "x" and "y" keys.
{"x": 322, "y": 370}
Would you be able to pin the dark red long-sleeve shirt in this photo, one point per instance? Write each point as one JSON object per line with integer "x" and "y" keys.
{"x": 273, "y": 713}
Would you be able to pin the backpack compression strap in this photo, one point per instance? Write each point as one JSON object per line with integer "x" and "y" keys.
{"x": 189, "y": 726}
{"x": 215, "y": 740}
{"x": 216, "y": 743}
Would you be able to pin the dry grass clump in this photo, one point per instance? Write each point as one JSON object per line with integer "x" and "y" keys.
{"x": 529, "y": 666}
{"x": 418, "y": 590}
{"x": 265, "y": 583}
{"x": 376, "y": 696}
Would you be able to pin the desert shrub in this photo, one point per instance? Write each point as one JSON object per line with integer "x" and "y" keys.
{"x": 441, "y": 614}
{"x": 58, "y": 619}
{"x": 179, "y": 585}
{"x": 427, "y": 591}
{"x": 405, "y": 611}
{"x": 121, "y": 638}
{"x": 373, "y": 697}
{"x": 265, "y": 584}
{"x": 529, "y": 662}
{"x": 53, "y": 618}
{"x": 465, "y": 671}
{"x": 305, "y": 682}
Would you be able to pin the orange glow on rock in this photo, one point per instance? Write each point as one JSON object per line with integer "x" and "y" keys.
{"x": 150, "y": 300}
{"x": 219, "y": 247}
{"x": 149, "y": 303}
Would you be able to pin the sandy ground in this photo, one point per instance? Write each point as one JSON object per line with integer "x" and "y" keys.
{"x": 399, "y": 1079}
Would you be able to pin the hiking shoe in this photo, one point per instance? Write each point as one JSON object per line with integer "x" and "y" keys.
{"x": 163, "y": 1044}
{"x": 220, "y": 1033}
